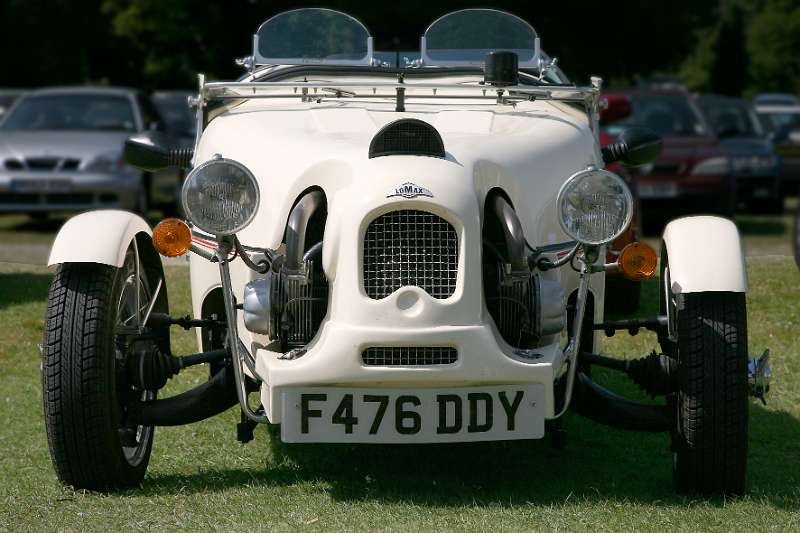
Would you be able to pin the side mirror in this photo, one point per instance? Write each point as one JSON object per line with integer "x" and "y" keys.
{"x": 635, "y": 147}
{"x": 614, "y": 107}
{"x": 151, "y": 151}
{"x": 794, "y": 136}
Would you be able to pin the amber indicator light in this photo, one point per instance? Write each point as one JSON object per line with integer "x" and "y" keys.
{"x": 172, "y": 237}
{"x": 638, "y": 261}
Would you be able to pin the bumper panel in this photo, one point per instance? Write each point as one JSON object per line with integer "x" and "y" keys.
{"x": 334, "y": 359}
{"x": 74, "y": 191}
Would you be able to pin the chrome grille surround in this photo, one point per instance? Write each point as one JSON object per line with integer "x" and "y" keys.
{"x": 410, "y": 248}
{"x": 409, "y": 355}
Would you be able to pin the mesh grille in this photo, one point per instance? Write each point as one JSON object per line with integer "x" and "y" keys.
{"x": 413, "y": 248}
{"x": 409, "y": 355}
{"x": 407, "y": 136}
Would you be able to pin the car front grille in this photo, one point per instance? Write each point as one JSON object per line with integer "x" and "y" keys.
{"x": 43, "y": 163}
{"x": 410, "y": 248}
{"x": 409, "y": 355}
{"x": 14, "y": 164}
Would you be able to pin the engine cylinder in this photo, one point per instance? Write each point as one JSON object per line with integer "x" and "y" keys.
{"x": 288, "y": 307}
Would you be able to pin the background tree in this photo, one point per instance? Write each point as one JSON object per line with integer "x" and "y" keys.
{"x": 164, "y": 43}
{"x": 773, "y": 45}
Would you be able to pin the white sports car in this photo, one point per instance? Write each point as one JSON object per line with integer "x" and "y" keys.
{"x": 386, "y": 252}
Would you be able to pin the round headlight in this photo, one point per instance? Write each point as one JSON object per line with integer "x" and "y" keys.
{"x": 220, "y": 196}
{"x": 594, "y": 206}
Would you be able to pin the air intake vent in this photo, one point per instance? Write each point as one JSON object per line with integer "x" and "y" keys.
{"x": 410, "y": 247}
{"x": 409, "y": 355}
{"x": 407, "y": 136}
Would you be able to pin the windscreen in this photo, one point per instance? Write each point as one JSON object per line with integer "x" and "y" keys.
{"x": 731, "y": 118}
{"x": 312, "y": 36}
{"x": 466, "y": 36}
{"x": 180, "y": 118}
{"x": 666, "y": 114}
{"x": 98, "y": 112}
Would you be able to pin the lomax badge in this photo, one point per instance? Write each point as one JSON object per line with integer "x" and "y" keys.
{"x": 409, "y": 190}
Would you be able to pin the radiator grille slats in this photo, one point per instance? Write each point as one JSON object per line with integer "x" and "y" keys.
{"x": 409, "y": 355}
{"x": 410, "y": 248}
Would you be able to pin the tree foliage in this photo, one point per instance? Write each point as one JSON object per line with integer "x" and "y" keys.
{"x": 752, "y": 47}
{"x": 164, "y": 43}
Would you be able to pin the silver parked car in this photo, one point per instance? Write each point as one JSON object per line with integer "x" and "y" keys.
{"x": 61, "y": 150}
{"x": 7, "y": 98}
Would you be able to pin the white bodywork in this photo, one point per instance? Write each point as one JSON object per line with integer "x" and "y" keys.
{"x": 705, "y": 255}
{"x": 97, "y": 237}
{"x": 528, "y": 150}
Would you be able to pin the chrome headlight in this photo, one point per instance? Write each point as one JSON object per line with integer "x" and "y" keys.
{"x": 220, "y": 196}
{"x": 594, "y": 206}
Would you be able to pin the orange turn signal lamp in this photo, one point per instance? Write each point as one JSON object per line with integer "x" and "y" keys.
{"x": 637, "y": 261}
{"x": 172, "y": 237}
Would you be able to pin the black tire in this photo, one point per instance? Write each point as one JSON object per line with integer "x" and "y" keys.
{"x": 710, "y": 438}
{"x": 622, "y": 296}
{"x": 85, "y": 389}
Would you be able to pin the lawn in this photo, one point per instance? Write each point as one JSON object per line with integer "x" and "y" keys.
{"x": 201, "y": 478}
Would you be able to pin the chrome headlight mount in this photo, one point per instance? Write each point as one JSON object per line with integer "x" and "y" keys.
{"x": 594, "y": 206}
{"x": 221, "y": 196}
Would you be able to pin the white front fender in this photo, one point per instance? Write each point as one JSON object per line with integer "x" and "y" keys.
{"x": 97, "y": 237}
{"x": 705, "y": 255}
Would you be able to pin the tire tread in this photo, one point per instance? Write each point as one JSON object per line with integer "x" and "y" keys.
{"x": 77, "y": 378}
{"x": 713, "y": 401}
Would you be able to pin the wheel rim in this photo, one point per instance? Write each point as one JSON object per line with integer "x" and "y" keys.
{"x": 134, "y": 301}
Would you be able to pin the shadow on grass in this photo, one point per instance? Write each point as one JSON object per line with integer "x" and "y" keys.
{"x": 598, "y": 465}
{"x": 22, "y": 287}
{"x": 31, "y": 225}
{"x": 764, "y": 226}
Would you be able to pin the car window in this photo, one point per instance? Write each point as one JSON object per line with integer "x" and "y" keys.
{"x": 665, "y": 114}
{"x": 781, "y": 124}
{"x": 177, "y": 115}
{"x": 731, "y": 118}
{"x": 150, "y": 114}
{"x": 98, "y": 112}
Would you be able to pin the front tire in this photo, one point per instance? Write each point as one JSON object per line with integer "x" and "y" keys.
{"x": 88, "y": 335}
{"x": 711, "y": 404}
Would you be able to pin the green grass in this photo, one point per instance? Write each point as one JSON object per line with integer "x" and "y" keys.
{"x": 201, "y": 478}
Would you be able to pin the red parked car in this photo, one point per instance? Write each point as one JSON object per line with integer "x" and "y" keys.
{"x": 693, "y": 174}
{"x": 614, "y": 108}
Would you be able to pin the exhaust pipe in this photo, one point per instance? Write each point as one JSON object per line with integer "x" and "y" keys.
{"x": 296, "y": 229}
{"x": 512, "y": 229}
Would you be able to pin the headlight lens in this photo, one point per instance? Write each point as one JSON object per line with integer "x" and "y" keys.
{"x": 594, "y": 206}
{"x": 106, "y": 163}
{"x": 220, "y": 196}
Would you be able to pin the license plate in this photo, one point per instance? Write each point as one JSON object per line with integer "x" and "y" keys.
{"x": 507, "y": 412}
{"x": 761, "y": 193}
{"x": 658, "y": 190}
{"x": 40, "y": 185}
